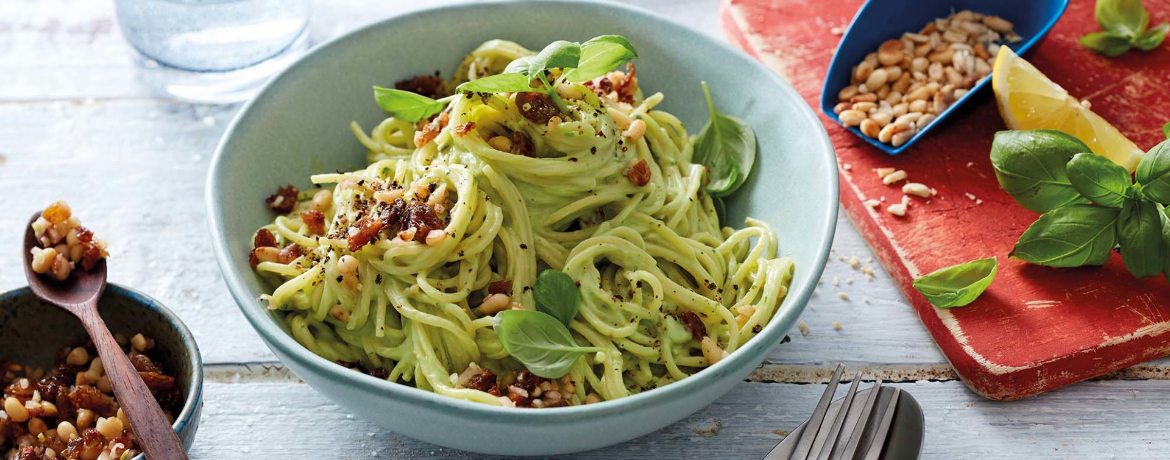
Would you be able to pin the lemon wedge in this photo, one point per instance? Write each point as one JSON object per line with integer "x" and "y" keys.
{"x": 1029, "y": 100}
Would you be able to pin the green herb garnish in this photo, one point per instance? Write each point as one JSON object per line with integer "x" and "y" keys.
{"x": 727, "y": 147}
{"x": 406, "y": 105}
{"x": 1091, "y": 206}
{"x": 957, "y": 285}
{"x": 557, "y": 294}
{"x": 540, "y": 342}
{"x": 1126, "y": 25}
{"x": 600, "y": 55}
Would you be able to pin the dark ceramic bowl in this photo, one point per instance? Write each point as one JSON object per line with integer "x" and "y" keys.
{"x": 31, "y": 331}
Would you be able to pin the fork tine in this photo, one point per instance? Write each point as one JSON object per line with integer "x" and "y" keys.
{"x": 849, "y": 449}
{"x": 879, "y": 437}
{"x": 830, "y": 441}
{"x": 814, "y": 423}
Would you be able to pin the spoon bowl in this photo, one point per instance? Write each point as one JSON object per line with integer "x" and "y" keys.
{"x": 78, "y": 294}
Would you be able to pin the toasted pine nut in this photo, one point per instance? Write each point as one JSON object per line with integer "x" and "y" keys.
{"x": 636, "y": 131}
{"x": 436, "y": 236}
{"x": 918, "y": 106}
{"x": 620, "y": 119}
{"x": 494, "y": 303}
{"x": 42, "y": 260}
{"x": 852, "y": 117}
{"x": 895, "y": 176}
{"x": 140, "y": 343}
{"x": 890, "y": 52}
{"x": 340, "y": 313}
{"x": 876, "y": 79}
{"x": 388, "y": 196}
{"x": 267, "y": 254}
{"x": 77, "y": 357}
{"x": 998, "y": 24}
{"x": 501, "y": 143}
{"x": 870, "y": 128}
{"x": 916, "y": 189}
{"x": 846, "y": 93}
{"x": 66, "y": 431}
{"x": 886, "y": 133}
{"x": 902, "y": 137}
{"x": 897, "y": 209}
{"x": 347, "y": 265}
{"x": 863, "y": 70}
{"x": 16, "y": 411}
{"x": 881, "y": 118}
{"x": 84, "y": 418}
{"x": 864, "y": 106}
{"x": 841, "y": 107}
{"x": 110, "y": 428}
{"x": 322, "y": 200}
{"x": 711, "y": 351}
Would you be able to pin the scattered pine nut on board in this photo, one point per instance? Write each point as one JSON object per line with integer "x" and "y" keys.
{"x": 1036, "y": 328}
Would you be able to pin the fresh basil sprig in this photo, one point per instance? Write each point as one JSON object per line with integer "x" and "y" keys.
{"x": 957, "y": 285}
{"x": 539, "y": 341}
{"x": 727, "y": 147}
{"x": 557, "y": 294}
{"x": 599, "y": 55}
{"x": 1091, "y": 206}
{"x": 1069, "y": 236}
{"x": 406, "y": 105}
{"x": 1031, "y": 167}
{"x": 1126, "y": 25}
{"x": 557, "y": 54}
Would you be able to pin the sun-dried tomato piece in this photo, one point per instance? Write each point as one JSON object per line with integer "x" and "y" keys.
{"x": 315, "y": 221}
{"x": 422, "y": 218}
{"x": 27, "y": 453}
{"x": 626, "y": 88}
{"x": 485, "y": 381}
{"x": 522, "y": 145}
{"x": 143, "y": 363}
{"x": 89, "y": 397}
{"x": 694, "y": 323}
{"x": 90, "y": 256}
{"x": 89, "y": 441}
{"x": 639, "y": 173}
{"x": 84, "y": 235}
{"x": 601, "y": 87}
{"x": 157, "y": 382}
{"x": 284, "y": 200}
{"x": 290, "y": 253}
{"x": 264, "y": 239}
{"x": 380, "y": 372}
{"x": 22, "y": 393}
{"x": 500, "y": 287}
{"x": 536, "y": 107}
{"x": 365, "y": 230}
{"x": 427, "y": 85}
{"x": 521, "y": 392}
{"x": 465, "y": 128}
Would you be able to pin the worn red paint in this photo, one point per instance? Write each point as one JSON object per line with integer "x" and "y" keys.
{"x": 1036, "y": 328}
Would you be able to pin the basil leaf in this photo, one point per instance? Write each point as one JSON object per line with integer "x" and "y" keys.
{"x": 405, "y": 105}
{"x": 1031, "y": 167}
{"x": 557, "y": 294}
{"x": 557, "y": 54}
{"x": 1153, "y": 37}
{"x": 1127, "y": 18}
{"x": 1139, "y": 231}
{"x": 600, "y": 55}
{"x": 1099, "y": 179}
{"x": 1153, "y": 173}
{"x": 727, "y": 147}
{"x": 957, "y": 285}
{"x": 501, "y": 83}
{"x": 1106, "y": 43}
{"x": 1165, "y": 240}
{"x": 539, "y": 341}
{"x": 1069, "y": 236}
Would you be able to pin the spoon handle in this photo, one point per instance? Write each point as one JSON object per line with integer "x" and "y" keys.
{"x": 156, "y": 436}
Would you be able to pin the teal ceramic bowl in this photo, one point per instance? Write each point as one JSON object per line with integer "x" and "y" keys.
{"x": 298, "y": 126}
{"x": 31, "y": 331}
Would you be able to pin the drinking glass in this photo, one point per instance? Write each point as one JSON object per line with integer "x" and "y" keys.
{"x": 213, "y": 51}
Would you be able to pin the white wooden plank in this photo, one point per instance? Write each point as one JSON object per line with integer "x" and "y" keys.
{"x": 1115, "y": 419}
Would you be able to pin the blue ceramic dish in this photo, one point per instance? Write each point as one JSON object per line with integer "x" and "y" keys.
{"x": 298, "y": 126}
{"x": 881, "y": 20}
{"x": 31, "y": 331}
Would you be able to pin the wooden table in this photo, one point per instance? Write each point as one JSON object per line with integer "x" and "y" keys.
{"x": 75, "y": 124}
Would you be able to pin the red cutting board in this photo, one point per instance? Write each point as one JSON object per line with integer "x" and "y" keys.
{"x": 1036, "y": 328}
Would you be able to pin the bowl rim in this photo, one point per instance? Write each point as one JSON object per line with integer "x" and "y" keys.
{"x": 284, "y": 344}
{"x": 194, "y": 393}
{"x": 828, "y": 95}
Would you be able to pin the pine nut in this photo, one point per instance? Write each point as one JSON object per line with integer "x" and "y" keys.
{"x": 846, "y": 93}
{"x": 893, "y": 73}
{"x": 84, "y": 418}
{"x": 77, "y": 357}
{"x": 322, "y": 200}
{"x": 49, "y": 409}
{"x": 886, "y": 133}
{"x": 876, "y": 78}
{"x": 340, "y": 313}
{"x": 347, "y": 265}
{"x": 864, "y": 106}
{"x": 902, "y": 138}
{"x": 110, "y": 428}
{"x": 388, "y": 196}
{"x": 711, "y": 351}
{"x": 918, "y": 106}
{"x": 494, "y": 303}
{"x": 267, "y": 254}
{"x": 636, "y": 131}
{"x": 903, "y": 83}
{"x": 900, "y": 109}
{"x": 42, "y": 260}
{"x": 883, "y": 92}
{"x": 870, "y": 128}
{"x": 939, "y": 104}
{"x": 935, "y": 71}
{"x": 436, "y": 236}
{"x": 890, "y": 52}
{"x": 998, "y": 24}
{"x": 881, "y": 118}
{"x": 36, "y": 426}
{"x": 862, "y": 89}
{"x": 16, "y": 411}
{"x": 897, "y": 209}
{"x": 852, "y": 117}
{"x": 501, "y": 143}
{"x": 883, "y": 172}
{"x": 918, "y": 94}
{"x": 61, "y": 267}
{"x": 895, "y": 176}
{"x": 66, "y": 431}
{"x": 894, "y": 97}
{"x": 620, "y": 119}
{"x": 841, "y": 107}
{"x": 868, "y": 97}
{"x": 140, "y": 343}
{"x": 863, "y": 71}
{"x": 916, "y": 189}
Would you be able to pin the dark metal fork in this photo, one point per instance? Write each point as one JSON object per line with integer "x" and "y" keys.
{"x": 839, "y": 434}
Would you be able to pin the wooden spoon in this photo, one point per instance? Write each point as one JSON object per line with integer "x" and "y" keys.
{"x": 79, "y": 295}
